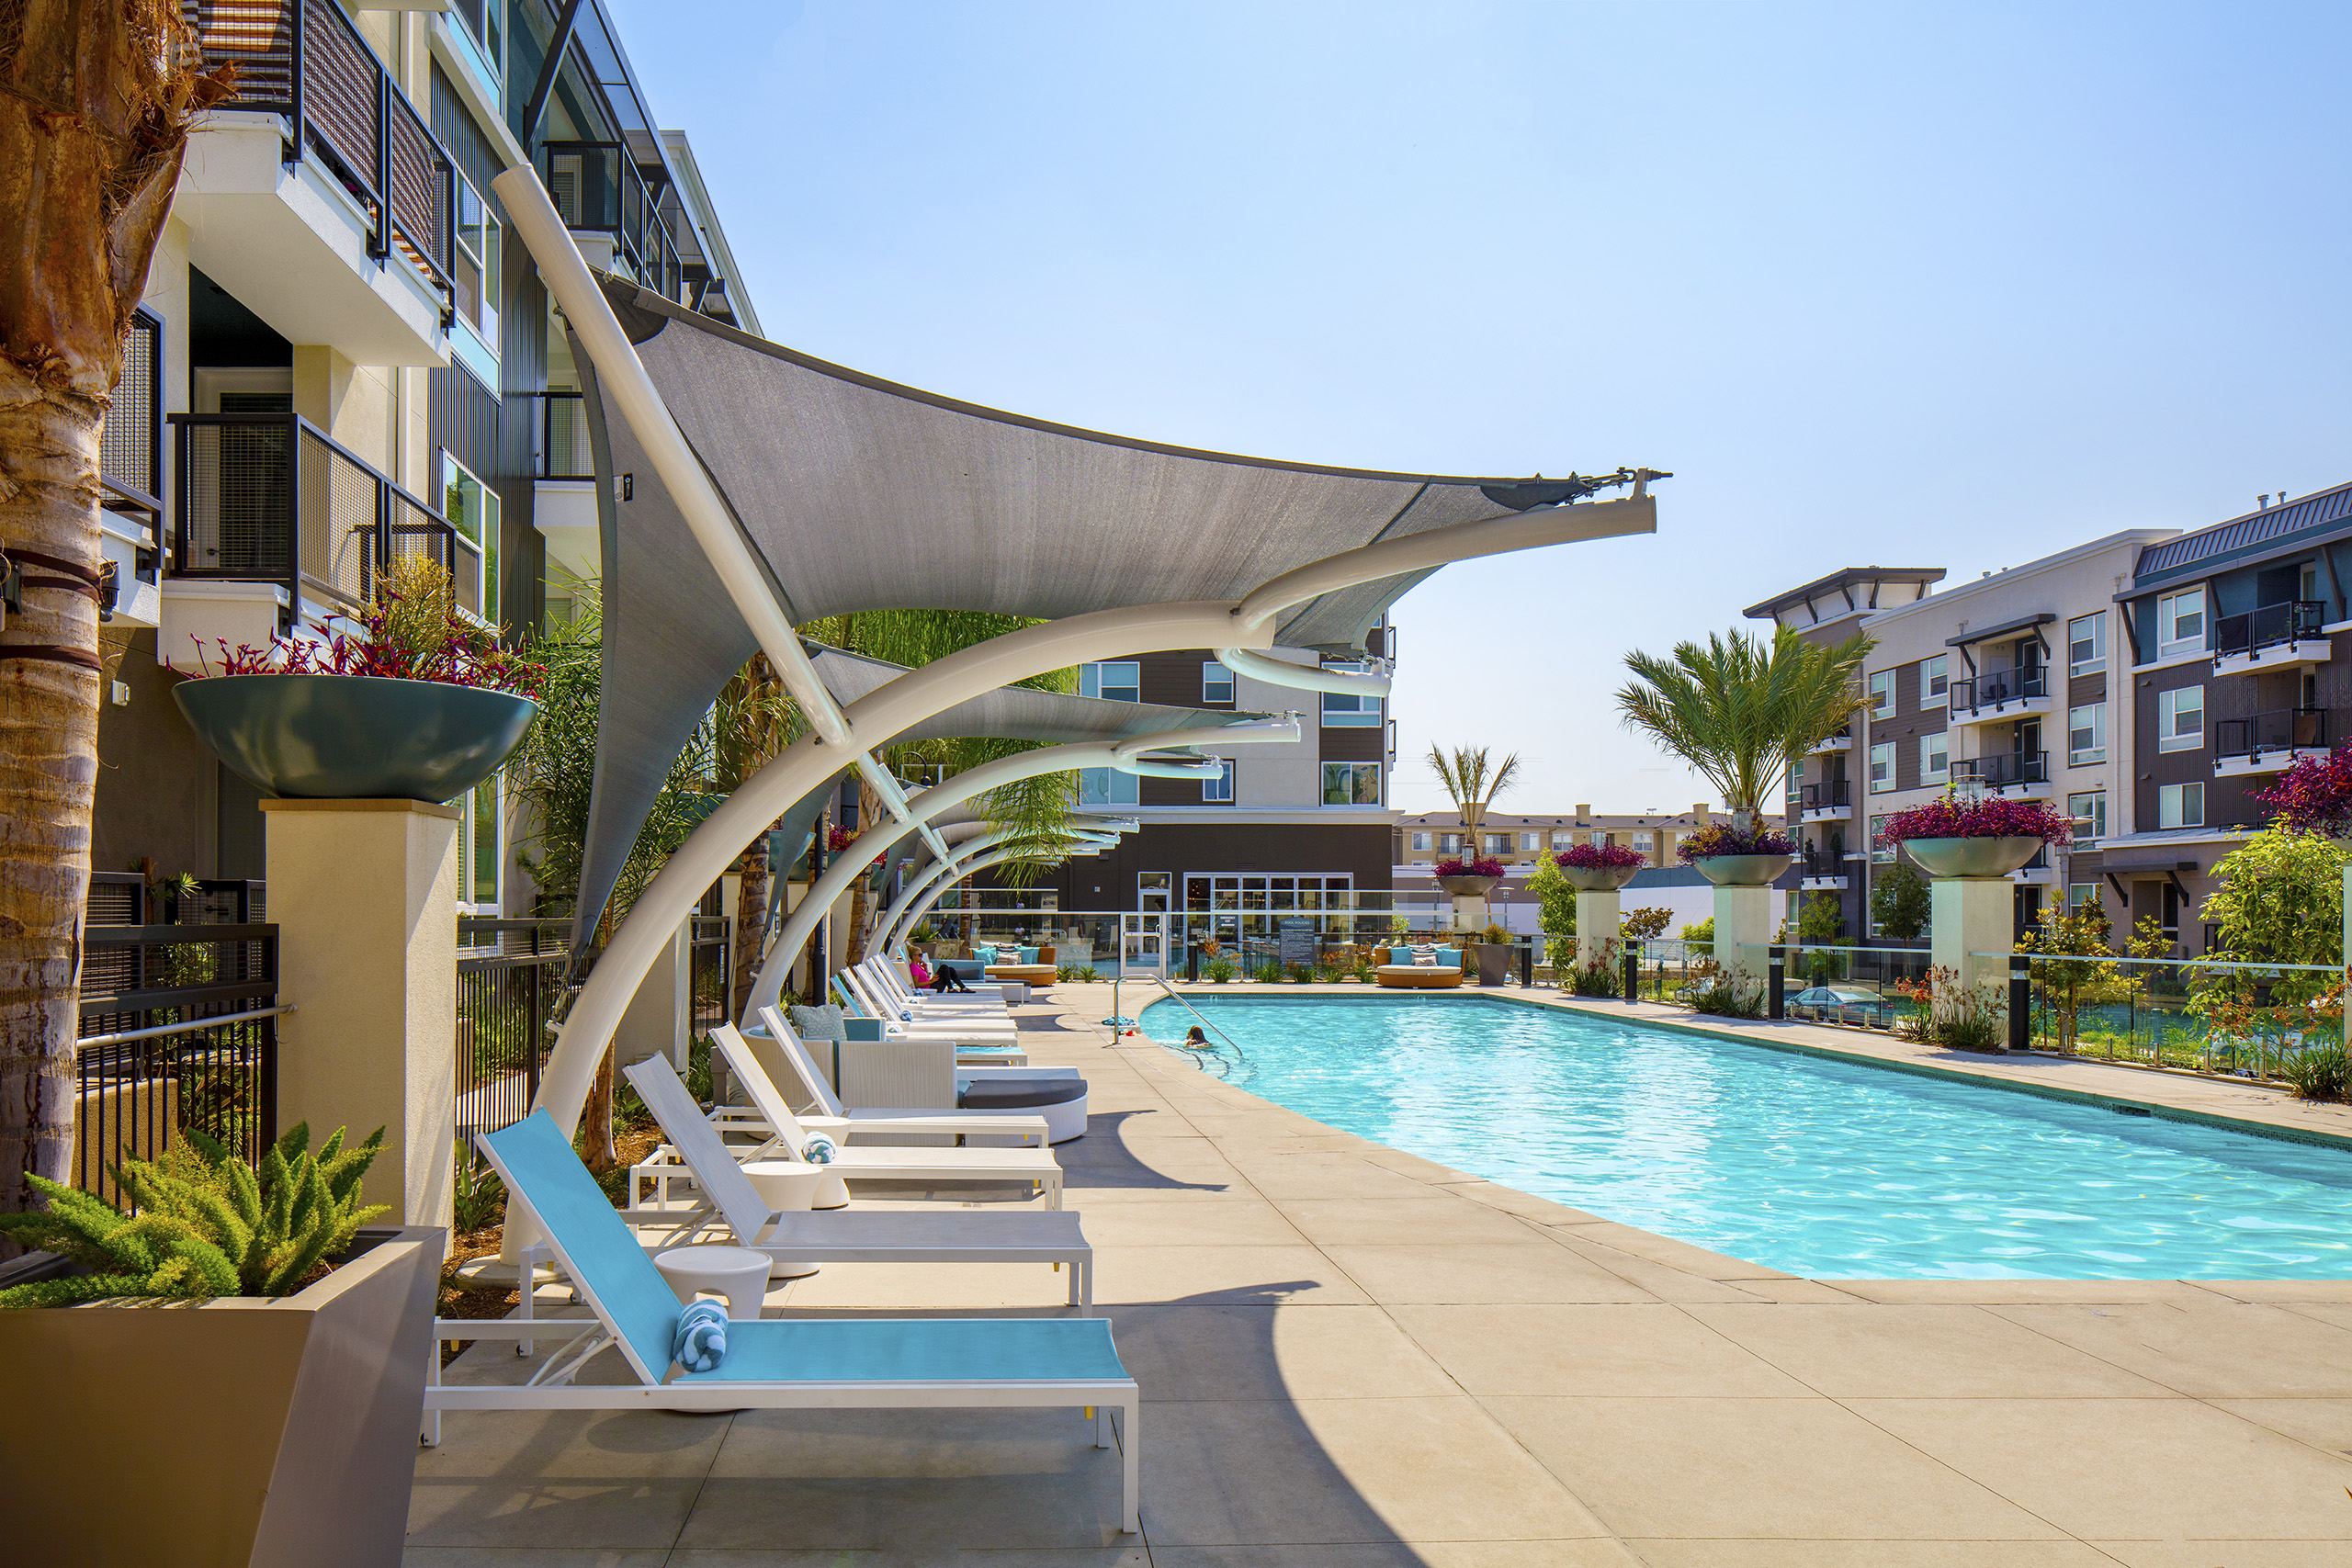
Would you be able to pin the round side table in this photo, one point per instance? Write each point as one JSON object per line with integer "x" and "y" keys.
{"x": 736, "y": 1272}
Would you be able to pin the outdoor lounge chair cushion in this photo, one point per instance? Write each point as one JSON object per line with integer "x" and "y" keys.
{"x": 1028, "y": 955}
{"x": 985, "y": 953}
{"x": 919, "y": 1350}
{"x": 701, "y": 1340}
{"x": 1014, "y": 1094}
{"x": 818, "y": 1023}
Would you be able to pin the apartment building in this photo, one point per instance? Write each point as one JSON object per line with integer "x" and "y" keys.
{"x": 1522, "y": 842}
{"x": 340, "y": 359}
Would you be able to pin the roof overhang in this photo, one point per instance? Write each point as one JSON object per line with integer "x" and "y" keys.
{"x": 2005, "y": 629}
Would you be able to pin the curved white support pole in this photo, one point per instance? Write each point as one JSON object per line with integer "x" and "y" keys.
{"x": 914, "y": 916}
{"x": 1306, "y": 677}
{"x": 1260, "y": 733}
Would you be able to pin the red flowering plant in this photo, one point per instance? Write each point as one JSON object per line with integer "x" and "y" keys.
{"x": 1992, "y": 817}
{"x": 1484, "y": 865}
{"x": 2313, "y": 795}
{"x": 413, "y": 632}
{"x": 839, "y": 839}
{"x": 1723, "y": 839}
{"x": 1599, "y": 857}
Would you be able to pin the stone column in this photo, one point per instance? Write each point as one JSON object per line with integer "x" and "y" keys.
{"x": 364, "y": 894}
{"x": 1971, "y": 915}
{"x": 1743, "y": 933}
{"x": 1599, "y": 917}
{"x": 1469, "y": 912}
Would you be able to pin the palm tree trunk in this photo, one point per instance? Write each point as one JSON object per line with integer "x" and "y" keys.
{"x": 869, "y": 814}
{"x": 94, "y": 106}
{"x": 751, "y": 923}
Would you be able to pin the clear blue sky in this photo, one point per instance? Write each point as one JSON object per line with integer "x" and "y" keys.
{"x": 1924, "y": 285}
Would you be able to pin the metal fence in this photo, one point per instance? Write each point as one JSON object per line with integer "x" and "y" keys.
{"x": 2203, "y": 1014}
{"x": 710, "y": 956}
{"x": 178, "y": 1029}
{"x": 510, "y": 976}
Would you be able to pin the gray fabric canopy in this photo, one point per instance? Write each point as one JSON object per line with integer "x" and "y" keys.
{"x": 859, "y": 494}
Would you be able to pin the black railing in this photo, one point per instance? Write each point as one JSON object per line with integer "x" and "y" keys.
{"x": 2004, "y": 770}
{"x": 509, "y": 976}
{"x": 563, "y": 438}
{"x": 710, "y": 970}
{"x": 131, "y": 442}
{"x": 599, "y": 189}
{"x": 304, "y": 59}
{"x": 2268, "y": 626}
{"x": 1820, "y": 862}
{"x": 1828, "y": 795}
{"x": 2282, "y": 729}
{"x": 177, "y": 1031}
{"x": 1997, "y": 688}
{"x": 272, "y": 497}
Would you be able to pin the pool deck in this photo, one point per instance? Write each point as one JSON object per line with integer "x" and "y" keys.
{"x": 1355, "y": 1357}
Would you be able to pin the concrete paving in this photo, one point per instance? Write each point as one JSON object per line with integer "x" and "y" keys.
{"x": 1354, "y": 1358}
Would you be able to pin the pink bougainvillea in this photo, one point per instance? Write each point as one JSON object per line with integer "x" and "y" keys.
{"x": 839, "y": 839}
{"x": 2313, "y": 795}
{"x": 1484, "y": 865}
{"x": 1990, "y": 817}
{"x": 1599, "y": 857}
{"x": 1723, "y": 839}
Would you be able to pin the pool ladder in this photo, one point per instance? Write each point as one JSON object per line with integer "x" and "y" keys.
{"x": 1118, "y": 1020}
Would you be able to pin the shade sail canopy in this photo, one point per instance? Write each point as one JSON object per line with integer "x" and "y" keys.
{"x": 858, "y": 494}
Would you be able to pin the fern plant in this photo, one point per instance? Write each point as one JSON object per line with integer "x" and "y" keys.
{"x": 210, "y": 1224}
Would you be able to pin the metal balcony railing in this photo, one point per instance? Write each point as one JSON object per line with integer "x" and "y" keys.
{"x": 563, "y": 438}
{"x": 272, "y": 497}
{"x": 600, "y": 190}
{"x": 2266, "y": 626}
{"x": 2004, "y": 770}
{"x": 2282, "y": 729}
{"x": 1996, "y": 687}
{"x": 304, "y": 59}
{"x": 1824, "y": 861}
{"x": 1830, "y": 795}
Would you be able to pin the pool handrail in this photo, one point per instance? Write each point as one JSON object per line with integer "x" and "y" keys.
{"x": 1177, "y": 998}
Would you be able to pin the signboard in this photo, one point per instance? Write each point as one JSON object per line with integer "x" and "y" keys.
{"x": 1297, "y": 939}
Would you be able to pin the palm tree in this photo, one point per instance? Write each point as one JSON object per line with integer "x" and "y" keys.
{"x": 95, "y": 105}
{"x": 1467, "y": 779}
{"x": 1742, "y": 711}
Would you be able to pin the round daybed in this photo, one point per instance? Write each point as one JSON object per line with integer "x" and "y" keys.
{"x": 1032, "y": 967}
{"x": 1408, "y": 976}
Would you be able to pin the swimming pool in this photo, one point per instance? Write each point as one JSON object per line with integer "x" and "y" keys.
{"x": 1818, "y": 1166}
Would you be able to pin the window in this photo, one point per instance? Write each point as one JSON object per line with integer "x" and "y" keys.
{"x": 1118, "y": 680}
{"x": 474, "y": 266}
{"x": 1563, "y": 841}
{"x": 1449, "y": 843}
{"x": 1348, "y": 710}
{"x": 1881, "y": 850}
{"x": 1935, "y": 759}
{"x": 2180, "y": 720}
{"x": 1216, "y": 681}
{"x": 1643, "y": 842}
{"x": 480, "y": 844}
{"x": 2086, "y": 644}
{"x": 473, "y": 509}
{"x": 2087, "y": 734}
{"x": 2089, "y": 812}
{"x": 1882, "y": 768}
{"x": 2082, "y": 898}
{"x": 1351, "y": 784}
{"x": 1529, "y": 842}
{"x": 1220, "y": 788}
{"x": 486, "y": 20}
{"x": 1105, "y": 786}
{"x": 1933, "y": 681}
{"x": 1496, "y": 844}
{"x": 2180, "y": 623}
{"x": 2181, "y": 805}
{"x": 1883, "y": 694}
{"x": 1420, "y": 841}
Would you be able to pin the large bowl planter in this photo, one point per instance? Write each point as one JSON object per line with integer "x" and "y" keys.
{"x": 1743, "y": 871}
{"x": 241, "y": 1431}
{"x": 356, "y": 736}
{"x": 1973, "y": 857}
{"x": 1598, "y": 878}
{"x": 1468, "y": 886}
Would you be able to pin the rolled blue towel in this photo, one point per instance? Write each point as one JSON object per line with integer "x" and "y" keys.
{"x": 818, "y": 1150}
{"x": 701, "y": 1341}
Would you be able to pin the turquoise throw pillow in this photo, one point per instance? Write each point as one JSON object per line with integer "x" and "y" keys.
{"x": 1028, "y": 955}
{"x": 984, "y": 952}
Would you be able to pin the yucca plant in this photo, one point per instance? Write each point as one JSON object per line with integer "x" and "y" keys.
{"x": 210, "y": 1224}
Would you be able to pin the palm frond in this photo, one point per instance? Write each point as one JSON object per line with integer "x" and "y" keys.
{"x": 1741, "y": 710}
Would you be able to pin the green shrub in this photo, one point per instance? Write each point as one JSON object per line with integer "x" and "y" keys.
{"x": 1269, "y": 973}
{"x": 208, "y": 1224}
{"x": 922, "y": 933}
{"x": 1300, "y": 975}
{"x": 1088, "y": 975}
{"x": 2320, "y": 1072}
{"x": 1364, "y": 976}
{"x": 1727, "y": 998}
{"x": 1066, "y": 972}
{"x": 1219, "y": 970}
{"x": 477, "y": 1199}
{"x": 1597, "y": 978}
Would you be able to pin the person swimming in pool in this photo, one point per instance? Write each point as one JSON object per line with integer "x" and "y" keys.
{"x": 1196, "y": 1041}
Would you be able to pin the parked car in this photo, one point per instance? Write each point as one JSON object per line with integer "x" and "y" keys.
{"x": 1850, "y": 1005}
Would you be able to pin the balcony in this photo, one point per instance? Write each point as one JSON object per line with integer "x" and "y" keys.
{"x": 1843, "y": 741}
{"x": 2271, "y": 637}
{"x": 315, "y": 192}
{"x": 2268, "y": 743}
{"x": 275, "y": 523}
{"x": 1824, "y": 869}
{"x": 1999, "y": 695}
{"x": 1830, "y": 800}
{"x": 565, "y": 509}
{"x": 606, "y": 203}
{"x": 2020, "y": 775}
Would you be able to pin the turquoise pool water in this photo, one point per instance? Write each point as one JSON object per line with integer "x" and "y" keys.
{"x": 1817, "y": 1167}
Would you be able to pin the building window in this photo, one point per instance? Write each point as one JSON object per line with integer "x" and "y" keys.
{"x": 1882, "y": 768}
{"x": 1643, "y": 843}
{"x": 2180, "y": 623}
{"x": 2087, "y": 734}
{"x": 2180, "y": 720}
{"x": 1350, "y": 710}
{"x": 1881, "y": 850}
{"x": 486, "y": 20}
{"x": 1563, "y": 841}
{"x": 1216, "y": 681}
{"x": 1105, "y": 786}
{"x": 2086, "y": 644}
{"x": 2082, "y": 898}
{"x": 2089, "y": 812}
{"x": 1883, "y": 694}
{"x": 1116, "y": 680}
{"x": 1351, "y": 784}
{"x": 473, "y": 509}
{"x": 1420, "y": 841}
{"x": 2181, "y": 805}
{"x": 1933, "y": 681}
{"x": 1220, "y": 788}
{"x": 1935, "y": 759}
{"x": 1447, "y": 843}
{"x": 475, "y": 265}
{"x": 1529, "y": 842}
{"x": 1498, "y": 843}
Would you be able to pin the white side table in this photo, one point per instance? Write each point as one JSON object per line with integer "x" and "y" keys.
{"x": 736, "y": 1272}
